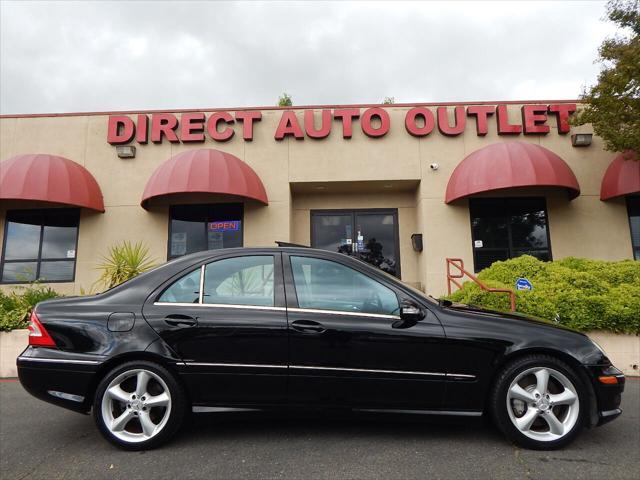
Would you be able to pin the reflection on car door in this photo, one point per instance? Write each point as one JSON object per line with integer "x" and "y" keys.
{"x": 343, "y": 348}
{"x": 227, "y": 320}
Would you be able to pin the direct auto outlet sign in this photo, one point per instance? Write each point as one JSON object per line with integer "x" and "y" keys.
{"x": 374, "y": 122}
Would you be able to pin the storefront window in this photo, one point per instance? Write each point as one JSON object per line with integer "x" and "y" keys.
{"x": 504, "y": 228}
{"x": 194, "y": 228}
{"x": 633, "y": 206}
{"x": 370, "y": 235}
{"x": 40, "y": 245}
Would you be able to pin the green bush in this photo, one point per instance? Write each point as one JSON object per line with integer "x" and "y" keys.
{"x": 16, "y": 305}
{"x": 575, "y": 292}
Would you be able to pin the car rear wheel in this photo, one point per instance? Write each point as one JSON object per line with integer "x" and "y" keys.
{"x": 538, "y": 402}
{"x": 139, "y": 405}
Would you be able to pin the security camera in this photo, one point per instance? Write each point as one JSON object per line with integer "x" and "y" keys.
{"x": 434, "y": 166}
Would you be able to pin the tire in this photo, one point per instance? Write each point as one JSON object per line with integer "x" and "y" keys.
{"x": 533, "y": 418}
{"x": 139, "y": 405}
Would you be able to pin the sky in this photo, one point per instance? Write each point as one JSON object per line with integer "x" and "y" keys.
{"x": 116, "y": 55}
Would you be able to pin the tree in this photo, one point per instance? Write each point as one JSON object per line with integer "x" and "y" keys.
{"x": 389, "y": 100}
{"x": 285, "y": 100}
{"x": 613, "y": 104}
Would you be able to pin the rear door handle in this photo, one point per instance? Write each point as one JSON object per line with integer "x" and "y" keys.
{"x": 176, "y": 320}
{"x": 307, "y": 326}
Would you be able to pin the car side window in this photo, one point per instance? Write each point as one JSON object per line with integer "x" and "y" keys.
{"x": 327, "y": 285}
{"x": 185, "y": 290}
{"x": 240, "y": 281}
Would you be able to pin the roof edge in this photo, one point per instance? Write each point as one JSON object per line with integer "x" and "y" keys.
{"x": 293, "y": 107}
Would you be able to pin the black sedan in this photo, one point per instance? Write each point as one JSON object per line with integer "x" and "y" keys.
{"x": 266, "y": 328}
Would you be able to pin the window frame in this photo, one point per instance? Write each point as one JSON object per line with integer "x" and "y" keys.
{"x": 209, "y": 207}
{"x": 634, "y": 248}
{"x": 294, "y": 305}
{"x": 278, "y": 285}
{"x": 39, "y": 260}
{"x": 510, "y": 247}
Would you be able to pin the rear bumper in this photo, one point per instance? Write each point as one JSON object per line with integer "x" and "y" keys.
{"x": 58, "y": 377}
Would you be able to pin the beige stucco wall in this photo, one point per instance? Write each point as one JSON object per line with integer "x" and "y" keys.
{"x": 582, "y": 227}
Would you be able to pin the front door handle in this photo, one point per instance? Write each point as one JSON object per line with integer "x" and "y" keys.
{"x": 176, "y": 320}
{"x": 307, "y": 326}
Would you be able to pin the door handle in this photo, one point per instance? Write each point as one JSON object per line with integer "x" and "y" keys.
{"x": 176, "y": 319}
{"x": 307, "y": 326}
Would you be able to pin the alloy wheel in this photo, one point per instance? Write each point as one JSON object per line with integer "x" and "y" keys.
{"x": 543, "y": 404}
{"x": 136, "y": 405}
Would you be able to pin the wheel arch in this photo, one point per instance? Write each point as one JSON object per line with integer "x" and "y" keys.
{"x": 570, "y": 360}
{"x": 113, "y": 362}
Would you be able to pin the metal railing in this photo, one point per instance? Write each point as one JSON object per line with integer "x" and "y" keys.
{"x": 458, "y": 264}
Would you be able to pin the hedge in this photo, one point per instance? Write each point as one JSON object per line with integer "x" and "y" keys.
{"x": 16, "y": 305}
{"x": 575, "y": 292}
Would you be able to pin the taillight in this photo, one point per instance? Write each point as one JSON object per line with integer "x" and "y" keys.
{"x": 38, "y": 335}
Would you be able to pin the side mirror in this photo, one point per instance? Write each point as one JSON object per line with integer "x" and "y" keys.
{"x": 410, "y": 314}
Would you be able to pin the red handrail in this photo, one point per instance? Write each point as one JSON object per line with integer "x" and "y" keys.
{"x": 452, "y": 278}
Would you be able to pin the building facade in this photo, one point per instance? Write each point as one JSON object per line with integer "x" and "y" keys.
{"x": 403, "y": 187}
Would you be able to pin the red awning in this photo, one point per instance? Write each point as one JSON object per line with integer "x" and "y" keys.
{"x": 622, "y": 177}
{"x": 204, "y": 171}
{"x": 49, "y": 178}
{"x": 510, "y": 165}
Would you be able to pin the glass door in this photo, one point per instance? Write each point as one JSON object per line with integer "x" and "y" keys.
{"x": 370, "y": 235}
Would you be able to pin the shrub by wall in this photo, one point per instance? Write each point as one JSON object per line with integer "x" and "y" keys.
{"x": 579, "y": 293}
{"x": 16, "y": 305}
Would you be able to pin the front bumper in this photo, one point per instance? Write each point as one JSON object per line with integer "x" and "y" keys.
{"x": 607, "y": 397}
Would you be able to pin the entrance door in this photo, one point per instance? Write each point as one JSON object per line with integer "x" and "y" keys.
{"x": 370, "y": 235}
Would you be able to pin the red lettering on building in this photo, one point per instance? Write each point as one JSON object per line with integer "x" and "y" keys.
{"x": 142, "y": 129}
{"x": 163, "y": 125}
{"x": 534, "y": 119}
{"x": 443, "y": 121}
{"x": 411, "y": 121}
{"x": 325, "y": 125}
{"x": 289, "y": 125}
{"x": 347, "y": 115}
{"x": 213, "y": 129}
{"x": 562, "y": 112}
{"x": 192, "y": 127}
{"x": 247, "y": 118}
{"x": 366, "y": 122}
{"x": 504, "y": 127}
{"x": 120, "y": 129}
{"x": 481, "y": 112}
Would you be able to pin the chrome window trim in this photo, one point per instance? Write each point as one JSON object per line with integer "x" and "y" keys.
{"x": 461, "y": 375}
{"x": 201, "y": 293}
{"x": 366, "y": 370}
{"x": 58, "y": 360}
{"x": 219, "y": 305}
{"x": 343, "y": 312}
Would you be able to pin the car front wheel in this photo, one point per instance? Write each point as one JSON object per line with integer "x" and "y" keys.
{"x": 138, "y": 405}
{"x": 538, "y": 402}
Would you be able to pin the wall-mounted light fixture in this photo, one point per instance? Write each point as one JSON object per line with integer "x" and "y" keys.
{"x": 581, "y": 139}
{"x": 126, "y": 151}
{"x": 416, "y": 242}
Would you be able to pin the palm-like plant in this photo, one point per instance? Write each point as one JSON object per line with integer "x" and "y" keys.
{"x": 124, "y": 261}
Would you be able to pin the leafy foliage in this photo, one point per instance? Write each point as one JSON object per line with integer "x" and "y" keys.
{"x": 16, "y": 305}
{"x": 285, "y": 100}
{"x": 613, "y": 104}
{"x": 389, "y": 100}
{"x": 579, "y": 293}
{"x": 123, "y": 262}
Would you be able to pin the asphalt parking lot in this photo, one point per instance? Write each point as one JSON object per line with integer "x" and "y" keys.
{"x": 38, "y": 440}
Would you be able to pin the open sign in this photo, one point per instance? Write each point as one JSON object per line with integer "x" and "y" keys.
{"x": 224, "y": 226}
